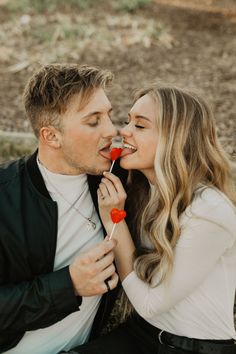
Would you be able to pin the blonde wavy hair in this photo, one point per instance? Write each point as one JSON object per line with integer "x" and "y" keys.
{"x": 188, "y": 155}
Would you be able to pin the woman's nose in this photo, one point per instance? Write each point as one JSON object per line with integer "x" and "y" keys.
{"x": 125, "y": 131}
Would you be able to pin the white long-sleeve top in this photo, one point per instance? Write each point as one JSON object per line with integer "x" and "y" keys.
{"x": 197, "y": 301}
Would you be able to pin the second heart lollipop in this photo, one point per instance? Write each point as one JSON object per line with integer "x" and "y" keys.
{"x": 116, "y": 216}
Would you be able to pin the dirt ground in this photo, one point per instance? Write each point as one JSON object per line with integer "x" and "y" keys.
{"x": 191, "y": 43}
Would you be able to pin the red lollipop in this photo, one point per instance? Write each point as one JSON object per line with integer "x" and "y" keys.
{"x": 116, "y": 216}
{"x": 115, "y": 154}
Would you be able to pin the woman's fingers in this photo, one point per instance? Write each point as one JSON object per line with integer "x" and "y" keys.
{"x": 109, "y": 186}
{"x": 116, "y": 183}
{"x": 111, "y": 192}
{"x": 104, "y": 190}
{"x": 108, "y": 189}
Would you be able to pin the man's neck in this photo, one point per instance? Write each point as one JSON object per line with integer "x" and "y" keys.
{"x": 54, "y": 162}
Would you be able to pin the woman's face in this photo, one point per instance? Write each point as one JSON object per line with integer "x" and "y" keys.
{"x": 140, "y": 138}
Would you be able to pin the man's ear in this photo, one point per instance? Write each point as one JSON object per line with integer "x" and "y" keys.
{"x": 50, "y": 136}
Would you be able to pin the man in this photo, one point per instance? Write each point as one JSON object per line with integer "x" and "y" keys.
{"x": 55, "y": 268}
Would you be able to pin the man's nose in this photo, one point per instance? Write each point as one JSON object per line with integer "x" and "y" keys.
{"x": 111, "y": 129}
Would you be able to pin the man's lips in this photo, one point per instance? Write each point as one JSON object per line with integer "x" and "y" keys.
{"x": 105, "y": 151}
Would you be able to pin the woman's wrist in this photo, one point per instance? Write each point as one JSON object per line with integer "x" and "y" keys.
{"x": 109, "y": 226}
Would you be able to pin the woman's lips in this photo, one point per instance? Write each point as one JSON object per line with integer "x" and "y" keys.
{"x": 127, "y": 151}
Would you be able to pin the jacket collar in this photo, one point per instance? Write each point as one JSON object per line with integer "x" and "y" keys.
{"x": 36, "y": 176}
{"x": 38, "y": 182}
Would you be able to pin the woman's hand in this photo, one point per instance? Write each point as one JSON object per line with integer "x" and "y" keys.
{"x": 111, "y": 194}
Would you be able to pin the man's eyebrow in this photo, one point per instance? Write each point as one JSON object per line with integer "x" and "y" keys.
{"x": 94, "y": 113}
{"x": 139, "y": 116}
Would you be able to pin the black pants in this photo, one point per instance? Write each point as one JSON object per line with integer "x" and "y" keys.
{"x": 128, "y": 338}
{"x": 136, "y": 336}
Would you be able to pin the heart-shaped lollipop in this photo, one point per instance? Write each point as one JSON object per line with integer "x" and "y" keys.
{"x": 116, "y": 216}
{"x": 115, "y": 153}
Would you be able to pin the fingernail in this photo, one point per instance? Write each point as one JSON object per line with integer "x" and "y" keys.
{"x": 105, "y": 172}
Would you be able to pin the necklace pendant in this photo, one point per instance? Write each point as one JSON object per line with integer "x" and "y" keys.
{"x": 91, "y": 225}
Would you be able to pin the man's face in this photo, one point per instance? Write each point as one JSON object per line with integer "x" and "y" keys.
{"x": 86, "y": 135}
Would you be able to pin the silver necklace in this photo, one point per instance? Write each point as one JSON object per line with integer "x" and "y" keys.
{"x": 90, "y": 223}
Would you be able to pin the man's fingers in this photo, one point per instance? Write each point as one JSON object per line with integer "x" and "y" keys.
{"x": 112, "y": 282}
{"x": 98, "y": 252}
{"x": 107, "y": 273}
{"x": 104, "y": 262}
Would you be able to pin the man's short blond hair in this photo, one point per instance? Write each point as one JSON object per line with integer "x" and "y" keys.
{"x": 49, "y": 90}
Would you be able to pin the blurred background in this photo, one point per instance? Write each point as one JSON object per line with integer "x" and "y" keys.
{"x": 191, "y": 43}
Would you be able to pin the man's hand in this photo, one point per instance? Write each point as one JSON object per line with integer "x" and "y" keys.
{"x": 89, "y": 270}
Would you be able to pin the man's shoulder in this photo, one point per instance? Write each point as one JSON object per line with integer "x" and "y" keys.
{"x": 11, "y": 169}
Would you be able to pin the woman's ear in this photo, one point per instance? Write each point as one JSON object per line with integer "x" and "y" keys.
{"x": 50, "y": 136}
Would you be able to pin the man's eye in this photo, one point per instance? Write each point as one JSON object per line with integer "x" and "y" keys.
{"x": 139, "y": 126}
{"x": 94, "y": 123}
{"x": 126, "y": 122}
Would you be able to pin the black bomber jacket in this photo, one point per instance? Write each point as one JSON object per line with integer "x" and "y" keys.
{"x": 32, "y": 295}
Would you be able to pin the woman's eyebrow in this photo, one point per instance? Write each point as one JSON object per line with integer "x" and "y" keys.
{"x": 139, "y": 116}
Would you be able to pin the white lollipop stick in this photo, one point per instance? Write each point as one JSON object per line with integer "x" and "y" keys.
{"x": 112, "y": 231}
{"x": 112, "y": 166}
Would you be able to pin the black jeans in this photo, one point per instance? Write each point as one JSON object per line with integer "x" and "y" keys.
{"x": 128, "y": 338}
{"x": 137, "y": 336}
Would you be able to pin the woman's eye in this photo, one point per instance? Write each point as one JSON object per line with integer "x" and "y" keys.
{"x": 126, "y": 122}
{"x": 139, "y": 126}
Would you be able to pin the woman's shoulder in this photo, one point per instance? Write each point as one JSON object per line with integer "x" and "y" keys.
{"x": 212, "y": 197}
{"x": 211, "y": 204}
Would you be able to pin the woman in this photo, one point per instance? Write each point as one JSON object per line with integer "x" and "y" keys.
{"x": 178, "y": 269}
